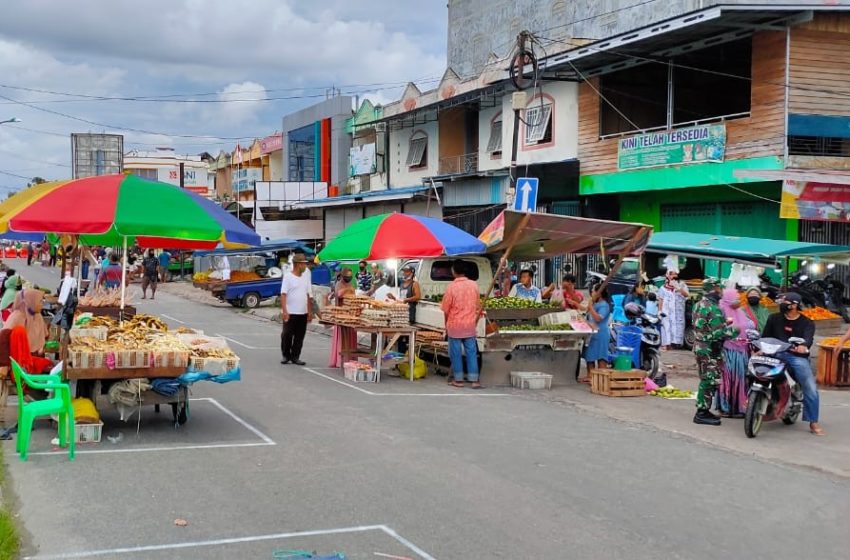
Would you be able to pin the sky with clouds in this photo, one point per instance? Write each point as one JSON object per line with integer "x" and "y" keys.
{"x": 167, "y": 72}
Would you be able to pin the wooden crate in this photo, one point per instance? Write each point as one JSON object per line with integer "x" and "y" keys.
{"x": 616, "y": 383}
{"x": 827, "y": 376}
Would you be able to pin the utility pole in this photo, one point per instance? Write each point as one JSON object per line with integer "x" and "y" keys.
{"x": 518, "y": 101}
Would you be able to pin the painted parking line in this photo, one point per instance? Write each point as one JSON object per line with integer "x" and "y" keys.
{"x": 375, "y": 394}
{"x": 237, "y": 540}
{"x": 175, "y": 319}
{"x": 265, "y": 440}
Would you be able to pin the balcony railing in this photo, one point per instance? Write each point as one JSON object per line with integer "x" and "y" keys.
{"x": 457, "y": 165}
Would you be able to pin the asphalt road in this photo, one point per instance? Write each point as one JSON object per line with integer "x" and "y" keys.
{"x": 293, "y": 458}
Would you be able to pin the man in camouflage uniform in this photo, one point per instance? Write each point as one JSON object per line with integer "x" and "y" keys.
{"x": 710, "y": 330}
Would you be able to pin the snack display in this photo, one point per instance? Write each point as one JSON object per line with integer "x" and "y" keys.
{"x": 104, "y": 298}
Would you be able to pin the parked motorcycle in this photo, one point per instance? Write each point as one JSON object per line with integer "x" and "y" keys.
{"x": 768, "y": 287}
{"x": 772, "y": 394}
{"x": 832, "y": 291}
{"x": 650, "y": 337}
{"x": 808, "y": 290}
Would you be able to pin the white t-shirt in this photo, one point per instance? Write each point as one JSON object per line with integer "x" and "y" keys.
{"x": 297, "y": 289}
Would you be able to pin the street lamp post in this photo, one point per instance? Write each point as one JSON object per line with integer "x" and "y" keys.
{"x": 12, "y": 120}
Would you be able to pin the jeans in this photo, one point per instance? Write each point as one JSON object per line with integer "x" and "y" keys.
{"x": 801, "y": 371}
{"x": 459, "y": 346}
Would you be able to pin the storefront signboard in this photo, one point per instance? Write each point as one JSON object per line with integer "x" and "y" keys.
{"x": 362, "y": 160}
{"x": 808, "y": 200}
{"x": 698, "y": 144}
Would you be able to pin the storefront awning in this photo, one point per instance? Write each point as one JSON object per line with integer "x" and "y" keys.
{"x": 829, "y": 176}
{"x": 364, "y": 198}
{"x": 536, "y": 235}
{"x": 746, "y": 250}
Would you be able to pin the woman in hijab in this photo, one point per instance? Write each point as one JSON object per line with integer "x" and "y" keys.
{"x": 27, "y": 314}
{"x": 732, "y": 394}
{"x": 12, "y": 286}
{"x": 343, "y": 338}
{"x": 757, "y": 312}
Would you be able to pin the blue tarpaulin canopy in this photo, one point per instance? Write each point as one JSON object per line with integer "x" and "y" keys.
{"x": 746, "y": 250}
{"x": 270, "y": 246}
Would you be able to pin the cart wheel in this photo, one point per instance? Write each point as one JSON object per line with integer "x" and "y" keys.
{"x": 251, "y": 300}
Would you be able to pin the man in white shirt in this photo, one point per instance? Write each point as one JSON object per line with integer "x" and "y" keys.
{"x": 525, "y": 289}
{"x": 296, "y": 302}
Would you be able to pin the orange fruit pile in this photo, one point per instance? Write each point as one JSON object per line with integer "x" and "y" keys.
{"x": 819, "y": 314}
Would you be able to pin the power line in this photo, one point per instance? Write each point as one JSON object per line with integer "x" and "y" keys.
{"x": 90, "y": 99}
{"x": 209, "y": 93}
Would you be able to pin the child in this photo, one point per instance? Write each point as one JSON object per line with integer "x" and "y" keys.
{"x": 652, "y": 304}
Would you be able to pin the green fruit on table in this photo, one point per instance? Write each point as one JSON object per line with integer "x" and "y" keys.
{"x": 515, "y": 303}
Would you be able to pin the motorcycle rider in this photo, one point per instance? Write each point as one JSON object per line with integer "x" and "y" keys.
{"x": 789, "y": 323}
{"x": 711, "y": 328}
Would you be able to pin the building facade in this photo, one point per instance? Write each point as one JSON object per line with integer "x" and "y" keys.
{"x": 164, "y": 165}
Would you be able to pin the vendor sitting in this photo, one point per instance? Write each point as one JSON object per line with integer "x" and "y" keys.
{"x": 525, "y": 289}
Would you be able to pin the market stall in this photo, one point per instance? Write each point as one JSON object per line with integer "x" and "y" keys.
{"x": 109, "y": 351}
{"x": 141, "y": 362}
{"x": 768, "y": 254}
{"x": 380, "y": 238}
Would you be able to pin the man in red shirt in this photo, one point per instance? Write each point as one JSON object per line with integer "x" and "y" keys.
{"x": 462, "y": 308}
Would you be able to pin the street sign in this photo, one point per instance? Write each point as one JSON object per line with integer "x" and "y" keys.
{"x": 525, "y": 198}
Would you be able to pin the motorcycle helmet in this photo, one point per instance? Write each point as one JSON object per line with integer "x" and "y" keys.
{"x": 633, "y": 310}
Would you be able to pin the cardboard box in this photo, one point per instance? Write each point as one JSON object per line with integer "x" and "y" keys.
{"x": 170, "y": 359}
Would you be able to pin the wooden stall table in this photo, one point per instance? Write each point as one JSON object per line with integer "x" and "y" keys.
{"x": 179, "y": 402}
{"x": 380, "y": 334}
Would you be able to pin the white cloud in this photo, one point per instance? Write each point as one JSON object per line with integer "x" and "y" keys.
{"x": 257, "y": 51}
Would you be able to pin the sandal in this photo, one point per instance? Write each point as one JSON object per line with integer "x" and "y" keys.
{"x": 817, "y": 431}
{"x": 584, "y": 380}
{"x": 457, "y": 384}
{"x": 477, "y": 386}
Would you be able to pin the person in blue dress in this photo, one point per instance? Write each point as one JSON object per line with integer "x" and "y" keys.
{"x": 599, "y": 317}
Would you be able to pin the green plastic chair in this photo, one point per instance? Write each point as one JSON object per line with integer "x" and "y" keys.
{"x": 59, "y": 404}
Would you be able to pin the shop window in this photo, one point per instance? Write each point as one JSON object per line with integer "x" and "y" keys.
{"x": 639, "y": 93}
{"x": 538, "y": 123}
{"x": 818, "y": 146}
{"x": 144, "y": 173}
{"x": 706, "y": 84}
{"x": 417, "y": 152}
{"x": 494, "y": 145}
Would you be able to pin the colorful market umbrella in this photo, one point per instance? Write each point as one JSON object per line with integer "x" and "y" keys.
{"x": 399, "y": 236}
{"x": 112, "y": 209}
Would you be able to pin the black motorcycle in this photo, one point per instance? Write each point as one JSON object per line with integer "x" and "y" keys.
{"x": 834, "y": 298}
{"x": 809, "y": 291}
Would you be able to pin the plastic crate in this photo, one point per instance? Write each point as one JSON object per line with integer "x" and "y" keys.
{"x": 534, "y": 380}
{"x": 88, "y": 433}
{"x": 358, "y": 374}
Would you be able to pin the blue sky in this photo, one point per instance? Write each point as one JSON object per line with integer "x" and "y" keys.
{"x": 255, "y": 52}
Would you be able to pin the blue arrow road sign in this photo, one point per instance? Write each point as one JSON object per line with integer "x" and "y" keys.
{"x": 525, "y": 198}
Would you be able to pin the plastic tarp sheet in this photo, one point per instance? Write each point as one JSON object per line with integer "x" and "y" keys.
{"x": 547, "y": 235}
{"x": 747, "y": 250}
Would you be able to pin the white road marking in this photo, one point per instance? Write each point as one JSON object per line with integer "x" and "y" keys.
{"x": 253, "y": 429}
{"x": 242, "y": 422}
{"x": 175, "y": 319}
{"x": 374, "y": 394}
{"x": 237, "y": 540}
{"x": 234, "y": 341}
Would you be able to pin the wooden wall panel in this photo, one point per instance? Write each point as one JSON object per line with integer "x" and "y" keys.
{"x": 760, "y": 134}
{"x": 820, "y": 67}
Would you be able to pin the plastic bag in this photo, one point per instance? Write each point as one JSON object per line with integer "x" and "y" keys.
{"x": 419, "y": 369}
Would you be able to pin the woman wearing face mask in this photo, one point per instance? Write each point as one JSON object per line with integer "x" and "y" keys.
{"x": 755, "y": 310}
{"x": 732, "y": 395}
{"x": 344, "y": 338}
